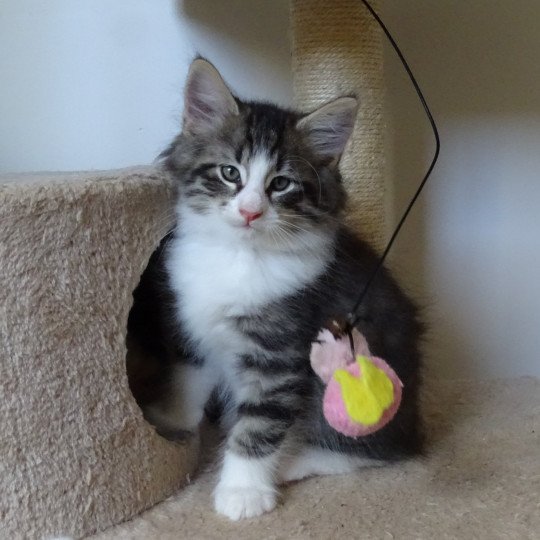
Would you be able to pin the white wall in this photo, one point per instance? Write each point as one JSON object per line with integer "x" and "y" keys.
{"x": 97, "y": 84}
{"x": 472, "y": 248}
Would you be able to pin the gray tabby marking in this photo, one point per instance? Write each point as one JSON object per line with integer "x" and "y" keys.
{"x": 259, "y": 261}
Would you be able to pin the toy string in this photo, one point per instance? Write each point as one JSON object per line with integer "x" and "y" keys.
{"x": 353, "y": 317}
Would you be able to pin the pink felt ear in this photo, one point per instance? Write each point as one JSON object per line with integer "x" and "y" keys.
{"x": 329, "y": 353}
{"x": 335, "y": 411}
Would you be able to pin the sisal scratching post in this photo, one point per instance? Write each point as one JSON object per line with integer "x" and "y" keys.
{"x": 75, "y": 453}
{"x": 337, "y": 50}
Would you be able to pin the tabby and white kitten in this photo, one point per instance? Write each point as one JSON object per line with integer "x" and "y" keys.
{"x": 258, "y": 262}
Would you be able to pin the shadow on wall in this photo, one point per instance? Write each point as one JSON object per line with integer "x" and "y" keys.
{"x": 472, "y": 246}
{"x": 247, "y": 29}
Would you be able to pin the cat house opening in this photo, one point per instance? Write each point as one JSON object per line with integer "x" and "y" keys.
{"x": 148, "y": 354}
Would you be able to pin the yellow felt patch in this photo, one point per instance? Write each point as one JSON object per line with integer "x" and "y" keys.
{"x": 366, "y": 397}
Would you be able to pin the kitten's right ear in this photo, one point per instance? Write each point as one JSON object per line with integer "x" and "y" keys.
{"x": 207, "y": 100}
{"x": 328, "y": 128}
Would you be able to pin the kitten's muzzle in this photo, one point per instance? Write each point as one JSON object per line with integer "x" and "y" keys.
{"x": 250, "y": 216}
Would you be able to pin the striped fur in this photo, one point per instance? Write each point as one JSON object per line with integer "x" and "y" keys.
{"x": 239, "y": 303}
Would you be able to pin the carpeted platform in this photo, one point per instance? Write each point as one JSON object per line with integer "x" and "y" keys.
{"x": 480, "y": 479}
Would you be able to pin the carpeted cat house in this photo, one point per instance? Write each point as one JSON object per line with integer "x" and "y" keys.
{"x": 76, "y": 455}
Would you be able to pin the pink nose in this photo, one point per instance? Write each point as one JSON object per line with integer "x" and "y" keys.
{"x": 250, "y": 216}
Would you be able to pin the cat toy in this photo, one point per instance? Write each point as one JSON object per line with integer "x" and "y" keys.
{"x": 363, "y": 393}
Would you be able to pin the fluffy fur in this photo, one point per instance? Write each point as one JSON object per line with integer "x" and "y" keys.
{"x": 258, "y": 262}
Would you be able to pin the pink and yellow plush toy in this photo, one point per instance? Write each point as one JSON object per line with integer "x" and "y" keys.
{"x": 363, "y": 393}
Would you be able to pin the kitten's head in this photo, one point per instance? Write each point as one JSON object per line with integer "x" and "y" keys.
{"x": 255, "y": 170}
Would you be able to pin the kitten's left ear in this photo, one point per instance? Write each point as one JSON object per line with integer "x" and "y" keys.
{"x": 328, "y": 128}
{"x": 207, "y": 100}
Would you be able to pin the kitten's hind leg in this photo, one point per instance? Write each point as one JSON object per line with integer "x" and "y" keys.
{"x": 181, "y": 410}
{"x": 313, "y": 461}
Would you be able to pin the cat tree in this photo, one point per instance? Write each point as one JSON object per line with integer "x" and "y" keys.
{"x": 76, "y": 455}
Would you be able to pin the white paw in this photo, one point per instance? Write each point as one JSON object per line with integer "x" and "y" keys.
{"x": 243, "y": 502}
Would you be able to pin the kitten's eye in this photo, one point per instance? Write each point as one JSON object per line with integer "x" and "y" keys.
{"x": 280, "y": 183}
{"x": 230, "y": 173}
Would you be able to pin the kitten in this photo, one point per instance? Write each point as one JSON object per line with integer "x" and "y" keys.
{"x": 258, "y": 262}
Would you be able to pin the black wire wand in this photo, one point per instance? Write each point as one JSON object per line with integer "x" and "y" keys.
{"x": 353, "y": 318}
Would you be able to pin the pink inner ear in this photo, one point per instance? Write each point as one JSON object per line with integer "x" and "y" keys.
{"x": 207, "y": 100}
{"x": 198, "y": 107}
{"x": 328, "y": 128}
{"x": 198, "y": 110}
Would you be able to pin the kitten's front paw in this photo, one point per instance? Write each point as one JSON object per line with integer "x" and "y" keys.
{"x": 243, "y": 502}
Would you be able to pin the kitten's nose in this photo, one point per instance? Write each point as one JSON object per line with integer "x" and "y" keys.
{"x": 250, "y": 216}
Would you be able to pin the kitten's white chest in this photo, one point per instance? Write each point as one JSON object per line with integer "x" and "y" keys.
{"x": 216, "y": 281}
{"x": 231, "y": 280}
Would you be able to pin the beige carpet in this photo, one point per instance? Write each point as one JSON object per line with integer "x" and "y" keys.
{"x": 481, "y": 479}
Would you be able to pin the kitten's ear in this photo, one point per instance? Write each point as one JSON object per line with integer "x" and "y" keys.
{"x": 328, "y": 128}
{"x": 207, "y": 100}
